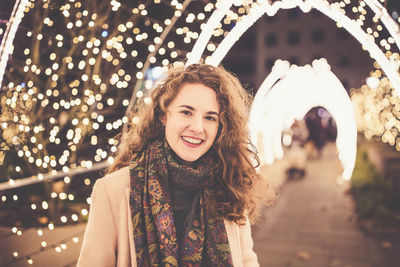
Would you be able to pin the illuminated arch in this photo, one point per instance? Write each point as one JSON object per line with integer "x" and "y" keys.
{"x": 331, "y": 10}
{"x": 279, "y": 102}
{"x": 6, "y": 44}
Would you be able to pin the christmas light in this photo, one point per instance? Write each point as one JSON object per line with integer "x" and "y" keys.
{"x": 377, "y": 108}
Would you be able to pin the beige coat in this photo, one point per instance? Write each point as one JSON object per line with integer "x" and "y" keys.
{"x": 108, "y": 240}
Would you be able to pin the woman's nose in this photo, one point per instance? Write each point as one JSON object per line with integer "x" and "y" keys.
{"x": 196, "y": 125}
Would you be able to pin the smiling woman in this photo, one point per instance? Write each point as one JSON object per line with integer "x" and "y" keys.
{"x": 183, "y": 183}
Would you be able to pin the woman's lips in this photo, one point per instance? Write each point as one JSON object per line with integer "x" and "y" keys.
{"x": 190, "y": 141}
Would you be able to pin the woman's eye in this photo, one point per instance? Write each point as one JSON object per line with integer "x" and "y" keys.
{"x": 211, "y": 118}
{"x": 186, "y": 112}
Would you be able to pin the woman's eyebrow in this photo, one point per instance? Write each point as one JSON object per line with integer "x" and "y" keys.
{"x": 213, "y": 113}
{"x": 192, "y": 108}
{"x": 187, "y": 106}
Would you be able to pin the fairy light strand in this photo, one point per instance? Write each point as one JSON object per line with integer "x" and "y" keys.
{"x": 12, "y": 184}
{"x": 386, "y": 19}
{"x": 198, "y": 48}
{"x": 58, "y": 246}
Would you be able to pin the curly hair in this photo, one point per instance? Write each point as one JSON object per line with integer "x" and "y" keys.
{"x": 234, "y": 176}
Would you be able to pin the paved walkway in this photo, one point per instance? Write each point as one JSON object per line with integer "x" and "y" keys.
{"x": 312, "y": 224}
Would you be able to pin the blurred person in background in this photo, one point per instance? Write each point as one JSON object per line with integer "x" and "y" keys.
{"x": 297, "y": 154}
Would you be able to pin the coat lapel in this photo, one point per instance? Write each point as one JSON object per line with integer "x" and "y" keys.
{"x": 130, "y": 229}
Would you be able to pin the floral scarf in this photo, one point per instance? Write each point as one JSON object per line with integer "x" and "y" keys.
{"x": 204, "y": 240}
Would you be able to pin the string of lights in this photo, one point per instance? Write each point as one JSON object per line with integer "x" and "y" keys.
{"x": 11, "y": 184}
{"x": 58, "y": 246}
{"x": 386, "y": 19}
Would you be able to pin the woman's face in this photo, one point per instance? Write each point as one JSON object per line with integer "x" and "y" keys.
{"x": 191, "y": 121}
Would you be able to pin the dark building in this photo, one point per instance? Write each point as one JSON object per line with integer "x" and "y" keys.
{"x": 298, "y": 38}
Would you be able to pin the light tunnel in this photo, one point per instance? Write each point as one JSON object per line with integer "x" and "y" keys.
{"x": 287, "y": 94}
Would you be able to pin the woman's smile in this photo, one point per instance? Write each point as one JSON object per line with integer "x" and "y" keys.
{"x": 192, "y": 141}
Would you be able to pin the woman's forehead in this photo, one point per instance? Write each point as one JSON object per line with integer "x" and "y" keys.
{"x": 198, "y": 96}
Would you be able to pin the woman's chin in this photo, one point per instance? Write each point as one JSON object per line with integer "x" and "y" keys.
{"x": 188, "y": 158}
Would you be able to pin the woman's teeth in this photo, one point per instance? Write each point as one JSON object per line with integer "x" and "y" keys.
{"x": 192, "y": 140}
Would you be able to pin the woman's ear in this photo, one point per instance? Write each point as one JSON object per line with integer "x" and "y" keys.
{"x": 162, "y": 119}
